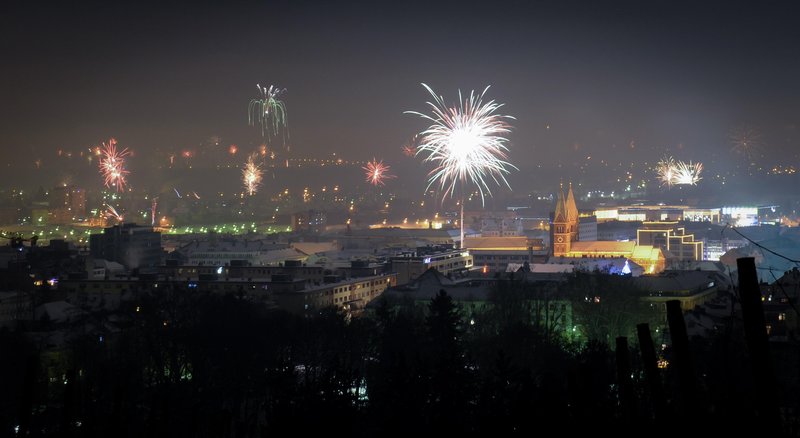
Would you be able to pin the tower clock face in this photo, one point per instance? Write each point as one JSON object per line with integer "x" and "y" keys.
{"x": 559, "y": 239}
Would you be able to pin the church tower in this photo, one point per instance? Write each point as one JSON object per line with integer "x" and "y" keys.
{"x": 565, "y": 223}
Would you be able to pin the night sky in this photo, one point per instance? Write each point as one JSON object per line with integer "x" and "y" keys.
{"x": 671, "y": 77}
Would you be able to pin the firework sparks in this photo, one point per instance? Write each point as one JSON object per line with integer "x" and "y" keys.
{"x": 672, "y": 173}
{"x": 746, "y": 142}
{"x": 666, "y": 170}
{"x": 112, "y": 165}
{"x": 268, "y": 110}
{"x": 377, "y": 173}
{"x": 410, "y": 149}
{"x": 251, "y": 174}
{"x": 687, "y": 173}
{"x": 466, "y": 143}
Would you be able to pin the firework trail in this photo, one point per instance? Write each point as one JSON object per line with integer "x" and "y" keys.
{"x": 177, "y": 193}
{"x": 252, "y": 174}
{"x": 112, "y": 165}
{"x": 111, "y": 213}
{"x": 268, "y": 111}
{"x": 466, "y": 143}
{"x": 377, "y": 173}
{"x": 153, "y": 207}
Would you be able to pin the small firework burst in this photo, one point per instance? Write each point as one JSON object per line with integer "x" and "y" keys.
{"x": 410, "y": 149}
{"x": 666, "y": 171}
{"x": 746, "y": 142}
{"x": 268, "y": 110}
{"x": 377, "y": 173}
{"x": 112, "y": 165}
{"x": 251, "y": 174}
{"x": 674, "y": 173}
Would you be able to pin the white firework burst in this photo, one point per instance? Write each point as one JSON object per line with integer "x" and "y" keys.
{"x": 466, "y": 143}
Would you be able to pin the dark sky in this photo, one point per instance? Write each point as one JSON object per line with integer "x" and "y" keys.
{"x": 601, "y": 74}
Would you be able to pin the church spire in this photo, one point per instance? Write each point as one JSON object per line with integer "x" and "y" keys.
{"x": 561, "y": 211}
{"x": 570, "y": 206}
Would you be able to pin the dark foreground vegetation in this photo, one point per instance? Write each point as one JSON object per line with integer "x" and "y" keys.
{"x": 195, "y": 365}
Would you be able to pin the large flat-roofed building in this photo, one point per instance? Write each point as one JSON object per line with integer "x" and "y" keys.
{"x": 222, "y": 252}
{"x": 311, "y": 274}
{"x": 495, "y": 253}
{"x": 282, "y": 291}
{"x": 691, "y": 288}
{"x": 501, "y": 226}
{"x": 133, "y": 246}
{"x": 650, "y": 213}
{"x": 68, "y": 204}
{"x": 587, "y": 227}
{"x": 411, "y": 265}
{"x": 350, "y": 295}
{"x": 15, "y": 306}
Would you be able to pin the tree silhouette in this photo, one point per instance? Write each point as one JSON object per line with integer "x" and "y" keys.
{"x": 449, "y": 381}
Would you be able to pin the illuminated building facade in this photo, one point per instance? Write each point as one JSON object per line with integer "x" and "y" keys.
{"x": 740, "y": 216}
{"x": 702, "y": 215}
{"x": 647, "y": 256}
{"x": 668, "y": 236}
{"x": 716, "y": 248}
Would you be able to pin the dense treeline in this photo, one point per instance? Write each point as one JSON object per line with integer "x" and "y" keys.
{"x": 202, "y": 365}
